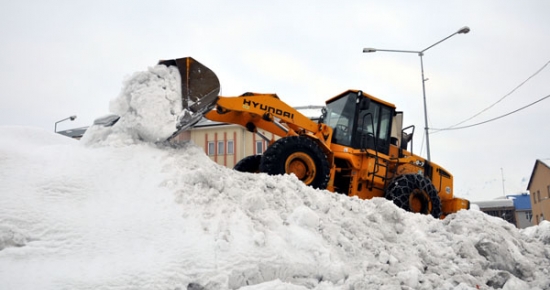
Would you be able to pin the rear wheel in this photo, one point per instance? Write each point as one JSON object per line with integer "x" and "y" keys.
{"x": 249, "y": 164}
{"x": 300, "y": 156}
{"x": 415, "y": 193}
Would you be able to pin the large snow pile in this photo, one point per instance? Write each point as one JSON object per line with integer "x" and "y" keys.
{"x": 120, "y": 210}
{"x": 144, "y": 216}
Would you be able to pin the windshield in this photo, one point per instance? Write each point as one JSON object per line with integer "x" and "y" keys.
{"x": 374, "y": 128}
{"x": 340, "y": 116}
{"x": 359, "y": 126}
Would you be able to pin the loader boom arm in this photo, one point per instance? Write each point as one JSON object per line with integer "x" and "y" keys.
{"x": 200, "y": 88}
{"x": 266, "y": 111}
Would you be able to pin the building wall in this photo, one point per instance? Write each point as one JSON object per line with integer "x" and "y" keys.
{"x": 522, "y": 204}
{"x": 515, "y": 209}
{"x": 217, "y": 141}
{"x": 524, "y": 218}
{"x": 539, "y": 188}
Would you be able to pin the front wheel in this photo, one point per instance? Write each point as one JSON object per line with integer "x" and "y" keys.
{"x": 415, "y": 193}
{"x": 250, "y": 164}
{"x": 300, "y": 156}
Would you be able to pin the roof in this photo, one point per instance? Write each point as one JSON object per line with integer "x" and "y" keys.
{"x": 206, "y": 123}
{"x": 73, "y": 133}
{"x": 537, "y": 163}
{"x": 517, "y": 201}
{"x": 495, "y": 203}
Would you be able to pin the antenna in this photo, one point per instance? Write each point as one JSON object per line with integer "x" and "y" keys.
{"x": 503, "y": 189}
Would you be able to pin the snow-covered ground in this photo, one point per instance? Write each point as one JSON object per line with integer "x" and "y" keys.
{"x": 117, "y": 211}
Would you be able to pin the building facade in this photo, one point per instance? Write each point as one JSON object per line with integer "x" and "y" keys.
{"x": 226, "y": 144}
{"x": 502, "y": 208}
{"x": 515, "y": 209}
{"x": 523, "y": 211}
{"x": 539, "y": 188}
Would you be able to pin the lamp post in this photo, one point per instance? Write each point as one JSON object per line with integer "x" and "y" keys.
{"x": 68, "y": 118}
{"x": 420, "y": 53}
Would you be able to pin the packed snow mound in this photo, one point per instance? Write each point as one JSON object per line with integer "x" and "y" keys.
{"x": 149, "y": 106}
{"x": 144, "y": 216}
{"x": 540, "y": 232}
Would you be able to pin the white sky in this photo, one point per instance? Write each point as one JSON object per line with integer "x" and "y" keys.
{"x": 60, "y": 58}
{"x": 131, "y": 215}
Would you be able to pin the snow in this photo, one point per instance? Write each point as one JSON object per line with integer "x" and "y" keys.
{"x": 495, "y": 203}
{"x": 120, "y": 210}
{"x": 149, "y": 107}
{"x": 146, "y": 216}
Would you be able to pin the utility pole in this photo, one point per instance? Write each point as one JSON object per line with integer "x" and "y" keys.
{"x": 420, "y": 53}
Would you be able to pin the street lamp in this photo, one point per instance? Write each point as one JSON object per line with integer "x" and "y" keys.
{"x": 420, "y": 53}
{"x": 68, "y": 118}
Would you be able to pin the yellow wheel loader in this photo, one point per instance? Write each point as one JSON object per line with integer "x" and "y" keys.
{"x": 358, "y": 147}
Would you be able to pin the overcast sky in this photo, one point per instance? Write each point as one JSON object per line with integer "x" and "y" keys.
{"x": 62, "y": 58}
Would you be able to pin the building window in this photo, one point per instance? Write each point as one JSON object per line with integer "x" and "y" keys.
{"x": 230, "y": 147}
{"x": 528, "y": 215}
{"x": 259, "y": 147}
{"x": 538, "y": 194}
{"x": 221, "y": 149}
{"x": 548, "y": 191}
{"x": 211, "y": 148}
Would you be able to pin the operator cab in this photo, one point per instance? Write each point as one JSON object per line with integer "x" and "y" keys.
{"x": 360, "y": 121}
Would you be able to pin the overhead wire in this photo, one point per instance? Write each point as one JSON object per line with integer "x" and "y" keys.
{"x": 454, "y": 127}
{"x": 493, "y": 119}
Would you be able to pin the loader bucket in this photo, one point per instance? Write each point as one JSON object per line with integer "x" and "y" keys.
{"x": 199, "y": 88}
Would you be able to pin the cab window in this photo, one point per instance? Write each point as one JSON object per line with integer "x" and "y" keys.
{"x": 373, "y": 128}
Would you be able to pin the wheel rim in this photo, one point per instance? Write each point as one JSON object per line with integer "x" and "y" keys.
{"x": 302, "y": 165}
{"x": 419, "y": 202}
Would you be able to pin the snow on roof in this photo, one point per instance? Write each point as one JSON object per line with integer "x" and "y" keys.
{"x": 495, "y": 203}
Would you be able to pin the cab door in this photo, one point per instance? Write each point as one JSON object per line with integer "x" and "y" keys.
{"x": 372, "y": 136}
{"x": 373, "y": 128}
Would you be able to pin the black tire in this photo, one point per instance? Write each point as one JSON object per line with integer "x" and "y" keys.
{"x": 415, "y": 193}
{"x": 298, "y": 155}
{"x": 250, "y": 164}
